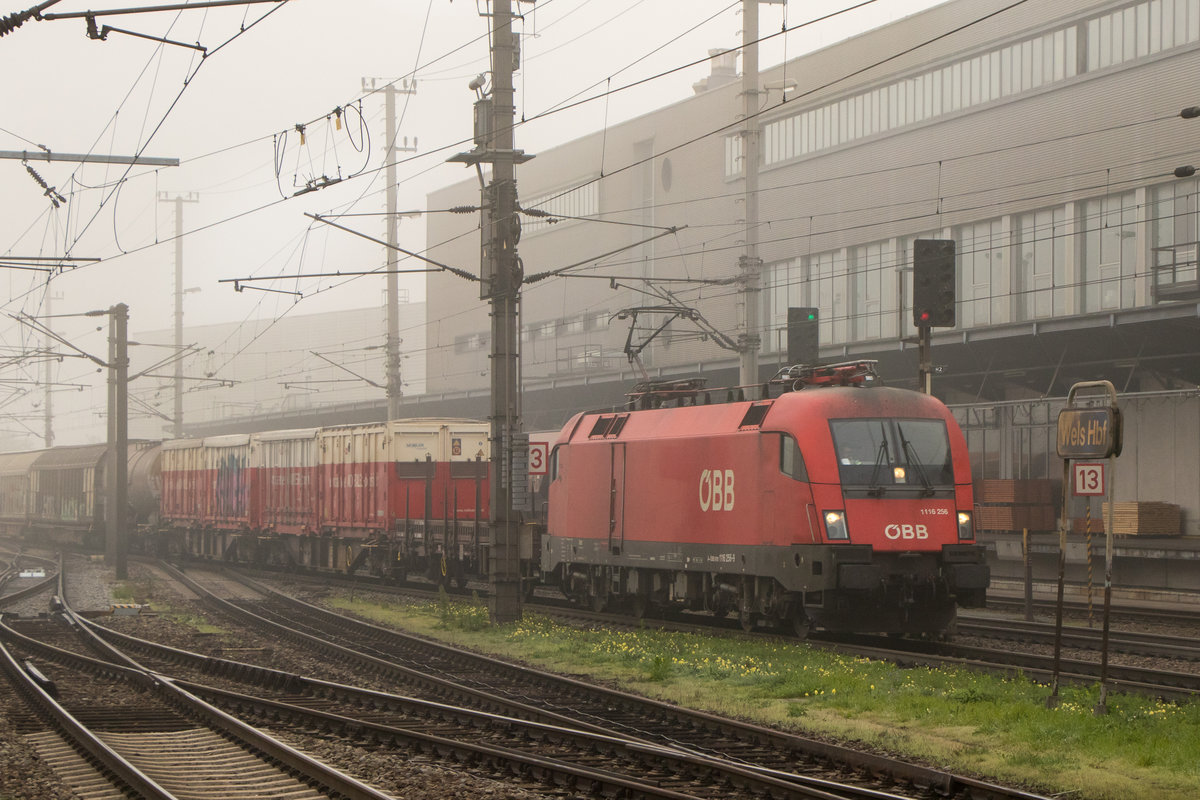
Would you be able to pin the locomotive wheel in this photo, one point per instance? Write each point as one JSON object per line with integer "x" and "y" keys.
{"x": 599, "y": 602}
{"x": 801, "y": 625}
{"x": 638, "y": 606}
{"x": 748, "y": 620}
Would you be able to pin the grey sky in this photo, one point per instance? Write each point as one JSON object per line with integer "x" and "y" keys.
{"x": 235, "y": 121}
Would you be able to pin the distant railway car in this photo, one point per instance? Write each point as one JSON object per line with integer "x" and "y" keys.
{"x": 67, "y": 495}
{"x": 846, "y": 507}
{"x": 14, "y": 490}
{"x": 145, "y": 483}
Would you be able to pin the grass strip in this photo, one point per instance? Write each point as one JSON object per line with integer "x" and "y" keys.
{"x": 948, "y": 717}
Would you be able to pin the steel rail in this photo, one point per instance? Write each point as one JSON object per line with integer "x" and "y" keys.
{"x": 944, "y": 783}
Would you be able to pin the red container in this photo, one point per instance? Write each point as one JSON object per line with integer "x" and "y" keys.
{"x": 439, "y": 470}
{"x": 228, "y": 486}
{"x": 183, "y": 477}
{"x": 353, "y": 479}
{"x": 286, "y": 469}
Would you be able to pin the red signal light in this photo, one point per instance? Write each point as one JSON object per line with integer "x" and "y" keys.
{"x": 924, "y": 316}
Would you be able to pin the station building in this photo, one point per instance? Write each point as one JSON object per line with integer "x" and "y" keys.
{"x": 1050, "y": 141}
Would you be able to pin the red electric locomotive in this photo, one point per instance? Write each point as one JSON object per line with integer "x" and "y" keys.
{"x": 845, "y": 506}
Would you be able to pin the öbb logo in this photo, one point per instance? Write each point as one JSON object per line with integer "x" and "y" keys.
{"x": 906, "y": 532}
{"x": 716, "y": 490}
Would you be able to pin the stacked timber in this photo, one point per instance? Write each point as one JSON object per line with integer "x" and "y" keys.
{"x": 1144, "y": 518}
{"x": 1011, "y": 506}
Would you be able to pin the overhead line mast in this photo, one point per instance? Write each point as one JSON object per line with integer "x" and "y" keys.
{"x": 500, "y": 279}
{"x": 750, "y": 264}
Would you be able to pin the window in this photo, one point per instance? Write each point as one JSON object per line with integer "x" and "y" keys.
{"x": 1040, "y": 262}
{"x": 595, "y": 320}
{"x": 791, "y": 460}
{"x": 983, "y": 285}
{"x": 755, "y": 415}
{"x": 471, "y": 342}
{"x": 582, "y": 201}
{"x": 1109, "y": 252}
{"x": 879, "y": 453}
{"x": 1138, "y": 31}
{"x": 1175, "y": 239}
{"x": 867, "y": 291}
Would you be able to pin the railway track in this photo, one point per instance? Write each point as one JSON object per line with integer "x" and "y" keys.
{"x": 1187, "y": 610}
{"x": 145, "y": 734}
{"x": 33, "y": 587}
{"x": 598, "y": 762}
{"x": 1173, "y": 678}
{"x": 1135, "y": 643}
{"x": 1177, "y": 682}
{"x": 459, "y": 678}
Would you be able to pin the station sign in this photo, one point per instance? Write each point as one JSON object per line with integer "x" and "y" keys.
{"x": 1089, "y": 432}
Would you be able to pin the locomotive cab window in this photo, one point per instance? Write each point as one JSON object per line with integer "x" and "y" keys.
{"x": 553, "y": 465}
{"x": 791, "y": 461}
{"x": 878, "y": 453}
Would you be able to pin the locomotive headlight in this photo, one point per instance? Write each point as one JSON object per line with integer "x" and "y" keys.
{"x": 965, "y": 529}
{"x": 835, "y": 525}
{"x": 898, "y": 474}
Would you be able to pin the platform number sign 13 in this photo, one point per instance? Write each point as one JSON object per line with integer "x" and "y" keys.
{"x": 1089, "y": 478}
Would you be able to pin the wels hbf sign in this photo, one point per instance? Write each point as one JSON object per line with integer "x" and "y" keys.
{"x": 1089, "y": 432}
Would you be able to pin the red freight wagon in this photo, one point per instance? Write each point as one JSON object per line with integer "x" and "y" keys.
{"x": 845, "y": 507}
{"x": 353, "y": 475}
{"x": 286, "y": 479}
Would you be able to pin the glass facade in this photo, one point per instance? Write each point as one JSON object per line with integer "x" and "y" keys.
{"x": 1118, "y": 251}
{"x": 1138, "y": 31}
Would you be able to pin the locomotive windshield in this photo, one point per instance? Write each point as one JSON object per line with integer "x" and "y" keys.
{"x": 878, "y": 453}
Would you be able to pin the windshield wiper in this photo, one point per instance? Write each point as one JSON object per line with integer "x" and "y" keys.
{"x": 914, "y": 462}
{"x": 876, "y": 488}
